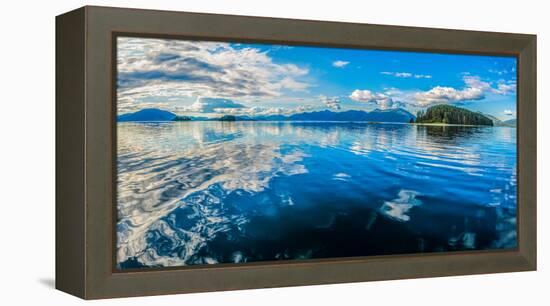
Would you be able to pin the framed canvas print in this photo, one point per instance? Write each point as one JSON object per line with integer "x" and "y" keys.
{"x": 200, "y": 152}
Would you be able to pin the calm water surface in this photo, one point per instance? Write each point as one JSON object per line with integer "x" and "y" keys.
{"x": 229, "y": 192}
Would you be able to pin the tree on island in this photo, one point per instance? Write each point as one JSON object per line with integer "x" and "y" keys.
{"x": 448, "y": 114}
{"x": 182, "y": 118}
{"x": 228, "y": 118}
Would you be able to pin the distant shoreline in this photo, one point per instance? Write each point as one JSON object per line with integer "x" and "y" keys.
{"x": 316, "y": 121}
{"x": 450, "y": 124}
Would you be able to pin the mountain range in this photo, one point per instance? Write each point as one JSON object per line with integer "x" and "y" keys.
{"x": 377, "y": 115}
{"x": 148, "y": 114}
{"x": 498, "y": 122}
{"x": 510, "y": 122}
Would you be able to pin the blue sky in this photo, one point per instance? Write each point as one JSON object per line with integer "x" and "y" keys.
{"x": 213, "y": 78}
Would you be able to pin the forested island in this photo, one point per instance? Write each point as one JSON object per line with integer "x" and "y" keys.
{"x": 227, "y": 118}
{"x": 182, "y": 118}
{"x": 448, "y": 114}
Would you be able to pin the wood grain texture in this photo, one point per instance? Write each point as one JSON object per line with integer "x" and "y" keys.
{"x": 69, "y": 180}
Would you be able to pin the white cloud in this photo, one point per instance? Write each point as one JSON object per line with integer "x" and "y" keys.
{"x": 406, "y": 75}
{"x": 382, "y": 101}
{"x": 422, "y": 76}
{"x": 149, "y": 69}
{"x": 505, "y": 87}
{"x": 331, "y": 102}
{"x": 293, "y": 84}
{"x": 210, "y": 105}
{"x": 302, "y": 108}
{"x": 339, "y": 64}
{"x": 130, "y": 107}
{"x": 499, "y": 72}
{"x": 264, "y": 111}
{"x": 475, "y": 89}
{"x": 508, "y": 112}
{"x": 403, "y": 74}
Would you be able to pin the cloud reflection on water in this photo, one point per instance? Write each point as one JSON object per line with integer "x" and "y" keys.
{"x": 400, "y": 206}
{"x": 155, "y": 182}
{"x": 175, "y": 179}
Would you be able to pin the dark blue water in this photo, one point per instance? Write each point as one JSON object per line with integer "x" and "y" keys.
{"x": 230, "y": 192}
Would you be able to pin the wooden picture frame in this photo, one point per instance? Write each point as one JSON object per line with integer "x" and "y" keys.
{"x": 85, "y": 156}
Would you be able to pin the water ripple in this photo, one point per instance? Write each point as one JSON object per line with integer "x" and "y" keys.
{"x": 189, "y": 191}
